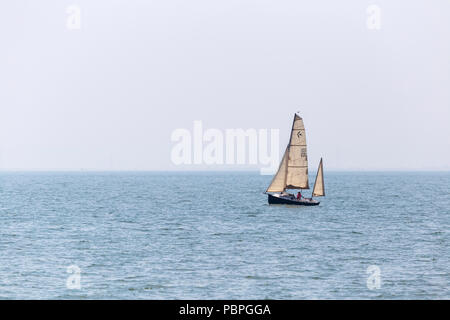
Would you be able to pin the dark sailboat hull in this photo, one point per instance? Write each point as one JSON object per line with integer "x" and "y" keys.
{"x": 286, "y": 200}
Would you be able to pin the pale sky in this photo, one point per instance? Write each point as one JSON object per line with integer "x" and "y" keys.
{"x": 108, "y": 96}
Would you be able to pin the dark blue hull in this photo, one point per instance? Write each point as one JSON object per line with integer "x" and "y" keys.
{"x": 292, "y": 201}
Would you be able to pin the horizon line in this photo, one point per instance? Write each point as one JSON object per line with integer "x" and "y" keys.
{"x": 210, "y": 171}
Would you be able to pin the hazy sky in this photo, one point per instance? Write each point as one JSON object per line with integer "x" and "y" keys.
{"x": 109, "y": 95}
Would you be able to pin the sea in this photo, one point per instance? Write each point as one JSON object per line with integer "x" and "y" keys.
{"x": 212, "y": 235}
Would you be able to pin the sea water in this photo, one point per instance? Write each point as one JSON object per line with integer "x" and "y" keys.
{"x": 383, "y": 235}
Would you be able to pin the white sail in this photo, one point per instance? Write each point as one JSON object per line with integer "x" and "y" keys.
{"x": 297, "y": 171}
{"x": 319, "y": 187}
{"x": 279, "y": 180}
{"x": 293, "y": 170}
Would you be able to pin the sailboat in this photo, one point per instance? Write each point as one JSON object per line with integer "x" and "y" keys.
{"x": 292, "y": 173}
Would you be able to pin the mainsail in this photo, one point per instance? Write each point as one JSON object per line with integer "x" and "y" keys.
{"x": 319, "y": 187}
{"x": 293, "y": 170}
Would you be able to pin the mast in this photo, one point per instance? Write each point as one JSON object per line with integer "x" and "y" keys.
{"x": 293, "y": 170}
{"x": 319, "y": 186}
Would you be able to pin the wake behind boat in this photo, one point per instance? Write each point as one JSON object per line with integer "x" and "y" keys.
{"x": 292, "y": 173}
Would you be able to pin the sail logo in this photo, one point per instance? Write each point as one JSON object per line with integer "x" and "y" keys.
{"x": 226, "y": 147}
{"x": 303, "y": 153}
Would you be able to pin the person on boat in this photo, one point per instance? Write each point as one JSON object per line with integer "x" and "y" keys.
{"x": 299, "y": 195}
